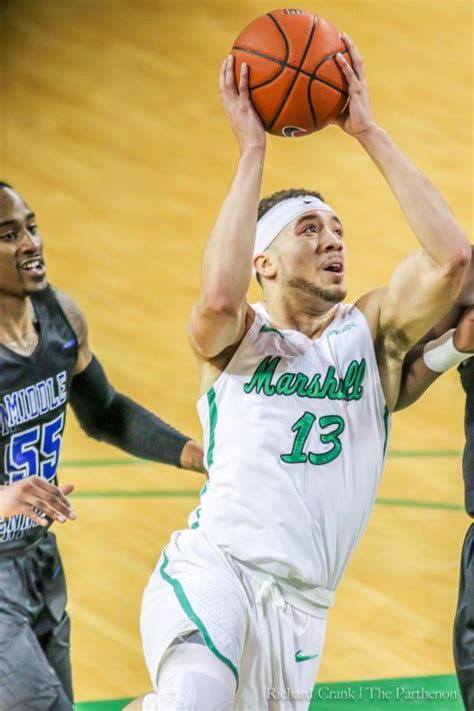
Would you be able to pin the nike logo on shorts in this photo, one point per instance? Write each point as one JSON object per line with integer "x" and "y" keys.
{"x": 304, "y": 657}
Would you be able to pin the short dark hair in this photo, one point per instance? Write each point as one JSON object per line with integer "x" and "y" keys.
{"x": 267, "y": 203}
{"x": 5, "y": 185}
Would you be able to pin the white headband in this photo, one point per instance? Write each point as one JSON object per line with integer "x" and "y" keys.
{"x": 275, "y": 220}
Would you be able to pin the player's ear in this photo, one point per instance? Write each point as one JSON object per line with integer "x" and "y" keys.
{"x": 265, "y": 265}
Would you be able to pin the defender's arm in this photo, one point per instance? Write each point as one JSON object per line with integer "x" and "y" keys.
{"x": 218, "y": 320}
{"x": 112, "y": 417}
{"x": 417, "y": 376}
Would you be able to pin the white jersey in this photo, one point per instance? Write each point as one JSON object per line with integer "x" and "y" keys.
{"x": 295, "y": 433}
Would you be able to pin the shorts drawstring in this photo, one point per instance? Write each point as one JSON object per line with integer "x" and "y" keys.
{"x": 269, "y": 589}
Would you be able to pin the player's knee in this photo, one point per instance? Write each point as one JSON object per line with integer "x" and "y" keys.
{"x": 192, "y": 691}
{"x": 150, "y": 702}
{"x": 192, "y": 678}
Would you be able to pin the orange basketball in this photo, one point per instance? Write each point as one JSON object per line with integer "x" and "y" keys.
{"x": 295, "y": 83}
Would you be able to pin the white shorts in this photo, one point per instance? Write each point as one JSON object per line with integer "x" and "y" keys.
{"x": 272, "y": 648}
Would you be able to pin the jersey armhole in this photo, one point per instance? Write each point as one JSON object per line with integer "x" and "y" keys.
{"x": 249, "y": 337}
{"x": 54, "y": 301}
{"x": 368, "y": 330}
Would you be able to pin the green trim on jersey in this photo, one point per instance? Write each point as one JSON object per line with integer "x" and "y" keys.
{"x": 269, "y": 329}
{"x": 188, "y": 610}
{"x": 198, "y": 516}
{"x": 386, "y": 415}
{"x": 211, "y": 399}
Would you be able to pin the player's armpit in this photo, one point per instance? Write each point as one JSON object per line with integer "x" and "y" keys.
{"x": 419, "y": 293}
{"x": 79, "y": 325}
{"x": 213, "y": 328}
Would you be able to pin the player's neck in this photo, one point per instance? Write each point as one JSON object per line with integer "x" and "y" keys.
{"x": 308, "y": 318}
{"x": 15, "y": 318}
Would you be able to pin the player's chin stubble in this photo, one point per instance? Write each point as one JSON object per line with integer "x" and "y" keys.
{"x": 333, "y": 296}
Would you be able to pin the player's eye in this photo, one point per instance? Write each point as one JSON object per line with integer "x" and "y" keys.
{"x": 8, "y": 236}
{"x": 338, "y": 231}
{"x": 33, "y": 229}
{"x": 310, "y": 228}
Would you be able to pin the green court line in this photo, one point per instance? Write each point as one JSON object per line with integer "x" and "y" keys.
{"x": 420, "y": 504}
{"x": 85, "y": 463}
{"x": 132, "y": 461}
{"x": 405, "y": 694}
{"x": 191, "y": 493}
{"x": 425, "y": 453}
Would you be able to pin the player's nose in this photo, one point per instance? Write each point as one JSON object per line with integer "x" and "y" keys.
{"x": 28, "y": 242}
{"x": 330, "y": 241}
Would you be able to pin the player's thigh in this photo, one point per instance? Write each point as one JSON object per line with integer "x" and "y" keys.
{"x": 193, "y": 589}
{"x": 303, "y": 653}
{"x": 27, "y": 680}
{"x": 281, "y": 659}
{"x": 56, "y": 646}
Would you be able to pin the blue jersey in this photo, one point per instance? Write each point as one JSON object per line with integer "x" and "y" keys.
{"x": 34, "y": 391}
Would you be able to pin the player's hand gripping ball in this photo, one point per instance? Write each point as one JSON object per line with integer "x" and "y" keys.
{"x": 295, "y": 85}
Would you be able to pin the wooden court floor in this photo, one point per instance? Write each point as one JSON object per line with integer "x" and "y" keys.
{"x": 111, "y": 129}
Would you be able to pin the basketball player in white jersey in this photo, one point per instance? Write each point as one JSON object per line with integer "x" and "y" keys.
{"x": 296, "y": 393}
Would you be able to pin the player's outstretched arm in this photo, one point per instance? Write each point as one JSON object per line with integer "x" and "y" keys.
{"x": 114, "y": 418}
{"x": 425, "y": 285}
{"x": 218, "y": 320}
{"x": 439, "y": 351}
{"x": 23, "y": 497}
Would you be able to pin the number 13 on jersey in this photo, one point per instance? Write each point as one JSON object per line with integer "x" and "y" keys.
{"x": 302, "y": 428}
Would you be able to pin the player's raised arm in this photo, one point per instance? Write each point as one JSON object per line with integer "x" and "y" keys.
{"x": 218, "y": 319}
{"x": 424, "y": 285}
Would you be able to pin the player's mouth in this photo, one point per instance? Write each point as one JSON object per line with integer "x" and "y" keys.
{"x": 34, "y": 267}
{"x": 335, "y": 266}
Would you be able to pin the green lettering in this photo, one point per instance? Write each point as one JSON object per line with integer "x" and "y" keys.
{"x": 286, "y": 384}
{"x": 262, "y": 378}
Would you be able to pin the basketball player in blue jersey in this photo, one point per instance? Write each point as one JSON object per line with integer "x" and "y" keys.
{"x": 45, "y": 362}
{"x": 296, "y": 393}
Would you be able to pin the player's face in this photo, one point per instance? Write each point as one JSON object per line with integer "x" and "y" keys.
{"x": 312, "y": 256}
{"x": 22, "y": 269}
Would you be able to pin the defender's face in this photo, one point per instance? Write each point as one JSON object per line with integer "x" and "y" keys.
{"x": 312, "y": 255}
{"x": 22, "y": 269}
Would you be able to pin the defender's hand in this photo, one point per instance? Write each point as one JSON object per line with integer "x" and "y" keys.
{"x": 243, "y": 118}
{"x": 33, "y": 492}
{"x": 357, "y": 117}
{"x": 463, "y": 337}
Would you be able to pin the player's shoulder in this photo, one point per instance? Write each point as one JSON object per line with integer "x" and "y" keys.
{"x": 73, "y": 313}
{"x": 370, "y": 305}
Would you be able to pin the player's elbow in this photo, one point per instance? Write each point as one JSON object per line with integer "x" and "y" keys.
{"x": 219, "y": 306}
{"x": 91, "y": 429}
{"x": 458, "y": 260}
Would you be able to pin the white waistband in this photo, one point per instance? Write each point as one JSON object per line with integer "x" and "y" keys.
{"x": 315, "y": 601}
